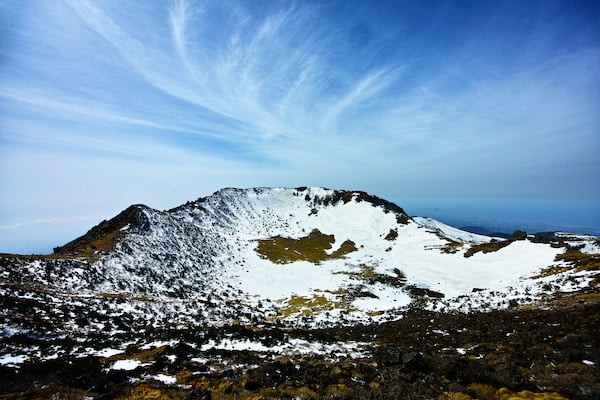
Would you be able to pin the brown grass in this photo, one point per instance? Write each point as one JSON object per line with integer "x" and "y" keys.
{"x": 100, "y": 239}
{"x": 452, "y": 247}
{"x": 583, "y": 262}
{"x": 305, "y": 306}
{"x": 311, "y": 248}
{"x": 505, "y": 394}
{"x": 392, "y": 235}
{"x": 145, "y": 391}
{"x": 487, "y": 247}
{"x": 552, "y": 270}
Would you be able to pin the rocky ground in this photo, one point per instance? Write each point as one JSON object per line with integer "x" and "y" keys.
{"x": 549, "y": 351}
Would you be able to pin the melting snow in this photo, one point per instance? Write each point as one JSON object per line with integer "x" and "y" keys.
{"x": 8, "y": 359}
{"x": 166, "y": 379}
{"x": 292, "y": 346}
{"x": 451, "y": 232}
{"x": 126, "y": 365}
{"x": 198, "y": 264}
{"x": 108, "y": 352}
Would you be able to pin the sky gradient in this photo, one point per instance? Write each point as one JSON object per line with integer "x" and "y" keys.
{"x": 109, "y": 103}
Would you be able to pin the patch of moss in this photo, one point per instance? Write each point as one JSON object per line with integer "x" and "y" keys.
{"x": 366, "y": 272}
{"x": 488, "y": 392}
{"x": 103, "y": 237}
{"x": 303, "y": 305}
{"x": 184, "y": 375}
{"x": 552, "y": 270}
{"x": 106, "y": 295}
{"x": 587, "y": 295}
{"x": 505, "y": 394}
{"x": 374, "y": 313}
{"x": 454, "y": 396}
{"x": 368, "y": 275}
{"x": 495, "y": 246}
{"x": 583, "y": 262}
{"x": 124, "y": 296}
{"x": 147, "y": 392}
{"x": 392, "y": 235}
{"x": 487, "y": 247}
{"x": 337, "y": 292}
{"x": 143, "y": 356}
{"x": 306, "y": 306}
{"x": 484, "y": 391}
{"x": 92, "y": 249}
{"x": 452, "y": 247}
{"x": 347, "y": 247}
{"x": 339, "y": 390}
{"x": 302, "y": 392}
{"x": 576, "y": 259}
{"x": 311, "y": 248}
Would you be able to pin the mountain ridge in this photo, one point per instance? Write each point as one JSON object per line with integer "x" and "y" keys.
{"x": 129, "y": 215}
{"x": 213, "y": 245}
{"x": 299, "y": 293}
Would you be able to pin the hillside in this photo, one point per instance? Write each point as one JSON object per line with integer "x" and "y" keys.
{"x": 246, "y": 279}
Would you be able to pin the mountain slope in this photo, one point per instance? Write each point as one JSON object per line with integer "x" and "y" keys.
{"x": 316, "y": 292}
{"x": 312, "y": 254}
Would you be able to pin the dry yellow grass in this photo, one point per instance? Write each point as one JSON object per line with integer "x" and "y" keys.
{"x": 583, "y": 262}
{"x": 312, "y": 248}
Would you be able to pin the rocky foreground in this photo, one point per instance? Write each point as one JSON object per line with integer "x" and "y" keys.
{"x": 547, "y": 352}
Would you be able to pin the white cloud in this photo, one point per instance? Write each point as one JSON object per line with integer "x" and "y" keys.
{"x": 62, "y": 221}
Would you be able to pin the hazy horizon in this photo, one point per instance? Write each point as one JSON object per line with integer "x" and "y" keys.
{"x": 106, "y": 104}
{"x": 496, "y": 216}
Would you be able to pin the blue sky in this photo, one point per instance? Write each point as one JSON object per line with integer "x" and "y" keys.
{"x": 108, "y": 103}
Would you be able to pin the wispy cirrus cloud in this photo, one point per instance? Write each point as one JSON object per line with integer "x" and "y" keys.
{"x": 264, "y": 79}
{"x": 244, "y": 76}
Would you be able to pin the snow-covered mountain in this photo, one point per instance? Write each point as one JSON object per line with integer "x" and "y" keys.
{"x": 303, "y": 255}
{"x": 299, "y": 293}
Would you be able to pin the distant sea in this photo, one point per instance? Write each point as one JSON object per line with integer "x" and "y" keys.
{"x": 580, "y": 216}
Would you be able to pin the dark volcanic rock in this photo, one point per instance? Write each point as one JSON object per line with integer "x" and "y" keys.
{"x": 420, "y": 356}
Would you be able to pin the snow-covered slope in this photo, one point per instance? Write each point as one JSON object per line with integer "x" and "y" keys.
{"x": 450, "y": 232}
{"x": 308, "y": 255}
{"x": 584, "y": 243}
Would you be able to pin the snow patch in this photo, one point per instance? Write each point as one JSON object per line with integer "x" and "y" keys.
{"x": 126, "y": 365}
{"x": 10, "y": 360}
{"x": 166, "y": 379}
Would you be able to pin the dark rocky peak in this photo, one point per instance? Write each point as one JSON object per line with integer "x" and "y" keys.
{"x": 312, "y": 195}
{"x": 345, "y": 196}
